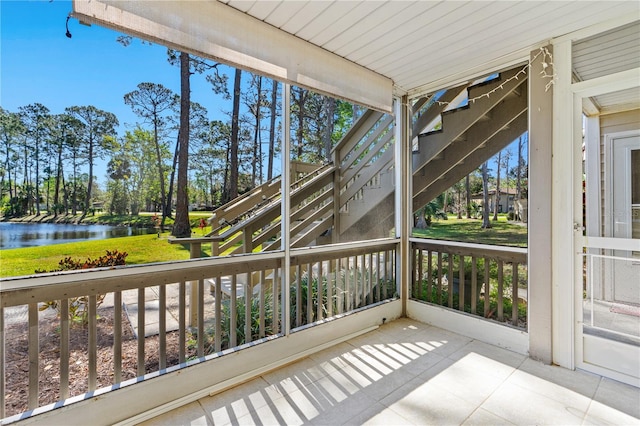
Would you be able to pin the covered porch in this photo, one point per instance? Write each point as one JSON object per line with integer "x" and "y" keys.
{"x": 352, "y": 326}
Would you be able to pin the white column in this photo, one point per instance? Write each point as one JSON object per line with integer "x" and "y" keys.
{"x": 285, "y": 206}
{"x": 403, "y": 214}
{"x": 563, "y": 254}
{"x": 539, "y": 216}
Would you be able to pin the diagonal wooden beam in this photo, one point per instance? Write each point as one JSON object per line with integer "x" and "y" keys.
{"x": 502, "y": 116}
{"x": 479, "y": 156}
{"x": 456, "y": 122}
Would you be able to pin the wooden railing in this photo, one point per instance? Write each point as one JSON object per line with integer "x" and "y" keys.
{"x": 488, "y": 281}
{"x": 112, "y": 339}
{"x": 340, "y": 278}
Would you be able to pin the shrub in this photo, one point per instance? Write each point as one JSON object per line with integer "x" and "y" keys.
{"x": 79, "y": 306}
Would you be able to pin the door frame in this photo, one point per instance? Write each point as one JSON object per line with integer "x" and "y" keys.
{"x": 568, "y": 241}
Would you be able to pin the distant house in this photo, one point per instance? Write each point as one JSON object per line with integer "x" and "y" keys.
{"x": 505, "y": 202}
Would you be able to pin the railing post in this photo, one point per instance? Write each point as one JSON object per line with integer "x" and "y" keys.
{"x": 195, "y": 250}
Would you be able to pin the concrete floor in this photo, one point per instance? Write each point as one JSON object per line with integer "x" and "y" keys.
{"x": 409, "y": 373}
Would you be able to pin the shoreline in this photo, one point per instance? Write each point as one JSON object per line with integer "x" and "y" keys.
{"x": 136, "y": 221}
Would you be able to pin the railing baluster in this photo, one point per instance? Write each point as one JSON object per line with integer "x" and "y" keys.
{"x": 362, "y": 282}
{"x": 430, "y": 295}
{"x": 276, "y": 295}
{"x": 386, "y": 273}
{"x": 93, "y": 343}
{"x": 248, "y": 296}
{"x": 417, "y": 291}
{"x": 217, "y": 306}
{"x": 347, "y": 285}
{"x": 500, "y": 290}
{"x": 439, "y": 293}
{"x": 201, "y": 330}
{"x": 330, "y": 275}
{"x": 162, "y": 325}
{"x": 298, "y": 295}
{"x": 514, "y": 293}
{"x": 34, "y": 351}
{"x": 378, "y": 280}
{"x": 3, "y": 336}
{"x": 370, "y": 280}
{"x": 182, "y": 322}
{"x": 474, "y": 284}
{"x": 319, "y": 293}
{"x": 64, "y": 349}
{"x": 309, "y": 293}
{"x": 450, "y": 279}
{"x": 487, "y": 288}
{"x": 141, "y": 302}
{"x": 261, "y": 319}
{"x": 340, "y": 278}
{"x": 461, "y": 283}
{"x": 233, "y": 313}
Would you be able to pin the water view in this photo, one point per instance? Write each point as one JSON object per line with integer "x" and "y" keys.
{"x": 17, "y": 235}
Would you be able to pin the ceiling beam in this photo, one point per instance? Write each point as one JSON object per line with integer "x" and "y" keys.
{"x": 214, "y": 30}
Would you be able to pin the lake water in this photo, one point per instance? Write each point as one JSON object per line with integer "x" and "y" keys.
{"x": 16, "y": 235}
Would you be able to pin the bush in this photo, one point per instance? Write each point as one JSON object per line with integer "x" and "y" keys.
{"x": 79, "y": 306}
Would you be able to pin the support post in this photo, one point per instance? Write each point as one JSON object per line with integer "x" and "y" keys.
{"x": 562, "y": 210}
{"x": 539, "y": 220}
{"x": 285, "y": 223}
{"x": 403, "y": 209}
{"x": 195, "y": 249}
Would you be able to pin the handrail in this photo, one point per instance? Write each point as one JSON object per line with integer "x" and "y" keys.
{"x": 15, "y": 291}
{"x": 505, "y": 253}
{"x": 315, "y": 178}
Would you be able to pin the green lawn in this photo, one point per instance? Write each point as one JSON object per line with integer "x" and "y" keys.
{"x": 149, "y": 248}
{"x": 501, "y": 233}
{"x": 140, "y": 249}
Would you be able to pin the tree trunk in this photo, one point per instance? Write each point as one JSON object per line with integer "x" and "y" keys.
{"x": 300, "y": 117}
{"x": 235, "y": 124}
{"x": 163, "y": 191}
{"x": 272, "y": 129}
{"x": 467, "y": 187}
{"x": 328, "y": 130}
{"x": 172, "y": 176}
{"x": 59, "y": 174}
{"x": 485, "y": 196}
{"x": 495, "y": 209}
{"x": 519, "y": 168}
{"x": 181, "y": 226}
{"x": 256, "y": 135}
{"x": 37, "y": 183}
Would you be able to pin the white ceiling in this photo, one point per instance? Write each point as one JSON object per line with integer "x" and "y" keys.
{"x": 420, "y": 45}
{"x": 607, "y": 53}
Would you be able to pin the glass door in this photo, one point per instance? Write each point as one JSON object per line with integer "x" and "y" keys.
{"x": 611, "y": 282}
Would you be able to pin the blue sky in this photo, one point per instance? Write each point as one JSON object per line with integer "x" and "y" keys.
{"x": 38, "y": 63}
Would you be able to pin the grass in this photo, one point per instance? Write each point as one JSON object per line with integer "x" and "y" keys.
{"x": 141, "y": 249}
{"x": 149, "y": 248}
{"x": 502, "y": 232}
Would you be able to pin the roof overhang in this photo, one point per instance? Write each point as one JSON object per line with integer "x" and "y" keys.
{"x": 214, "y": 30}
{"x": 362, "y": 51}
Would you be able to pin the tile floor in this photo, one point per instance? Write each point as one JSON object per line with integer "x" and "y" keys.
{"x": 409, "y": 373}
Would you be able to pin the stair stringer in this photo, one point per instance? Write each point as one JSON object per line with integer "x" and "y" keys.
{"x": 473, "y": 142}
{"x": 491, "y": 147}
{"x": 502, "y": 117}
{"x": 455, "y": 123}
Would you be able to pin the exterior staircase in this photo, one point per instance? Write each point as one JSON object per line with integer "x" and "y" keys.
{"x": 353, "y": 197}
